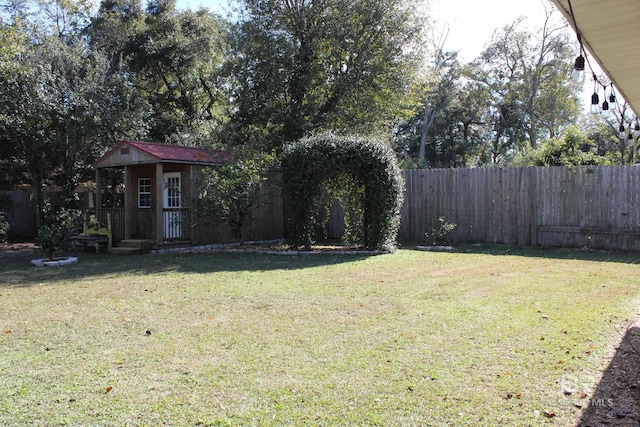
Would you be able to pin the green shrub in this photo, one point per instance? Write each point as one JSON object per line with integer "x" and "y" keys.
{"x": 52, "y": 237}
{"x": 231, "y": 192}
{"x": 375, "y": 186}
{"x": 437, "y": 235}
{"x": 572, "y": 148}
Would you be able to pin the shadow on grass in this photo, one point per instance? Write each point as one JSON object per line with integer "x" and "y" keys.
{"x": 615, "y": 400}
{"x": 21, "y": 273}
{"x": 553, "y": 253}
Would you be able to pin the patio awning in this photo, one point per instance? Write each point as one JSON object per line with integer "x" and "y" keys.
{"x": 610, "y": 32}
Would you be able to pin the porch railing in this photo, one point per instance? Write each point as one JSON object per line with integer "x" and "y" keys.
{"x": 177, "y": 223}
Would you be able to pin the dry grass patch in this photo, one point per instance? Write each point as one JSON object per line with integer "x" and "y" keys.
{"x": 410, "y": 338}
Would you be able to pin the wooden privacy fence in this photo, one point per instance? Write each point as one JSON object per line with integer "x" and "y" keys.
{"x": 592, "y": 206}
{"x": 23, "y": 210}
{"x": 23, "y": 214}
{"x": 585, "y": 206}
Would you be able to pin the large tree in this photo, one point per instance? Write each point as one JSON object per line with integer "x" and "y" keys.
{"x": 513, "y": 95}
{"x": 173, "y": 59}
{"x": 60, "y": 107}
{"x": 303, "y": 65}
{"x": 526, "y": 73}
{"x": 449, "y": 128}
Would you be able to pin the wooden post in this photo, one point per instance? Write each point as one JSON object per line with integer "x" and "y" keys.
{"x": 129, "y": 191}
{"x": 192, "y": 196}
{"x": 159, "y": 203}
{"x": 98, "y": 205}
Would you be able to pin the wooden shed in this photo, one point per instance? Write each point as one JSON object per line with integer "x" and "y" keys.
{"x": 159, "y": 186}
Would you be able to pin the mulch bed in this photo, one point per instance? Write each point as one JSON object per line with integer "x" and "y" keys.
{"x": 616, "y": 399}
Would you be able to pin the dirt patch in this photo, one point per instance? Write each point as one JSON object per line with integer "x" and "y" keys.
{"x": 16, "y": 252}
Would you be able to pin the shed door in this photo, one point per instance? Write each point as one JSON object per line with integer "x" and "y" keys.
{"x": 172, "y": 214}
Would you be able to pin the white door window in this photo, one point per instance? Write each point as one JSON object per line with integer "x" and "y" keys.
{"x": 172, "y": 203}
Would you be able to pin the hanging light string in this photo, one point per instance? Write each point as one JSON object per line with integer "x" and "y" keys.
{"x": 578, "y": 69}
{"x": 578, "y": 72}
{"x": 608, "y": 104}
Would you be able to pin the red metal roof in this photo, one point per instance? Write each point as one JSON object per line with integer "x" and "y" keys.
{"x": 173, "y": 153}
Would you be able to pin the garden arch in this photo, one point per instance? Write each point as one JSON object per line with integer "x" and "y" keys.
{"x": 309, "y": 164}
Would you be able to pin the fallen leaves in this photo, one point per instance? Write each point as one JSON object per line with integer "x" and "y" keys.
{"x": 511, "y": 396}
{"x": 546, "y": 413}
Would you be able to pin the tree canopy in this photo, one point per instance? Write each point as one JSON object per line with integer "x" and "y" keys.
{"x": 514, "y": 95}
{"x": 74, "y": 81}
{"x": 298, "y": 66}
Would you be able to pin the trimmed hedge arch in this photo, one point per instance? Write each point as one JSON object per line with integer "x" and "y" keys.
{"x": 309, "y": 164}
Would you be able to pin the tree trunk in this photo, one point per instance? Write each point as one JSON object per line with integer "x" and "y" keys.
{"x": 427, "y": 121}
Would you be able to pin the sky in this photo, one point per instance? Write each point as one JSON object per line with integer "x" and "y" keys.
{"x": 470, "y": 23}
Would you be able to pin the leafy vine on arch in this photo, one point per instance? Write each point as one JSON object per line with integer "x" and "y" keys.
{"x": 368, "y": 164}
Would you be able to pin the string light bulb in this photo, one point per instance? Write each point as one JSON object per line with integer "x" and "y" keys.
{"x": 595, "y": 103}
{"x": 577, "y": 75}
{"x": 612, "y": 98}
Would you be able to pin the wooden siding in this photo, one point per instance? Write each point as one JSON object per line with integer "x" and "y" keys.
{"x": 132, "y": 157}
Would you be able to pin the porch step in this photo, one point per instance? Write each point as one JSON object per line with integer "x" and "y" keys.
{"x": 132, "y": 246}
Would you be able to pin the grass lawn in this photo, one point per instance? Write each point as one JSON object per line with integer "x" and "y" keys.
{"x": 486, "y": 336}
